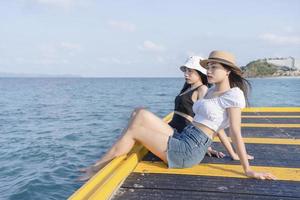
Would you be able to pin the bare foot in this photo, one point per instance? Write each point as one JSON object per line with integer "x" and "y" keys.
{"x": 86, "y": 176}
{"x": 90, "y": 171}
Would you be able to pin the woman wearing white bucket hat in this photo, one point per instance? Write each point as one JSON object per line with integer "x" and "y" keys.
{"x": 194, "y": 88}
{"x": 219, "y": 109}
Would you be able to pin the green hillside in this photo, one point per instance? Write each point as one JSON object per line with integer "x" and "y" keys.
{"x": 260, "y": 68}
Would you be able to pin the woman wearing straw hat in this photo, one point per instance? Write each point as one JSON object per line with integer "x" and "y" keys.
{"x": 219, "y": 109}
{"x": 195, "y": 88}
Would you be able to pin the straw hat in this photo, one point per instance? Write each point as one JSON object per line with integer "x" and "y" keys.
{"x": 193, "y": 62}
{"x": 222, "y": 57}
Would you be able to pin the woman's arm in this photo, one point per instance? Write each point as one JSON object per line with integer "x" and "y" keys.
{"x": 227, "y": 144}
{"x": 199, "y": 93}
{"x": 202, "y": 91}
{"x": 236, "y": 137}
{"x": 224, "y": 140}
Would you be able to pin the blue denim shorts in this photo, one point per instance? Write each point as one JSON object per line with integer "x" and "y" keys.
{"x": 187, "y": 148}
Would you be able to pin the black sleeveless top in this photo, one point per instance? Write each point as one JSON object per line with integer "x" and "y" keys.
{"x": 184, "y": 104}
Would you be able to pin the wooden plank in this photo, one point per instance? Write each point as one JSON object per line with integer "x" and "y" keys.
{"x": 272, "y": 109}
{"x": 283, "y": 141}
{"x": 265, "y": 155}
{"x": 271, "y": 116}
{"x": 271, "y": 120}
{"x": 171, "y": 194}
{"x": 204, "y": 169}
{"x": 258, "y": 125}
{"x": 270, "y": 132}
{"x": 270, "y": 113}
{"x": 202, "y": 184}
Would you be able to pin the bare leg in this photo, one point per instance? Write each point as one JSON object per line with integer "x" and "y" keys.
{"x": 146, "y": 128}
{"x": 100, "y": 163}
{"x": 149, "y": 120}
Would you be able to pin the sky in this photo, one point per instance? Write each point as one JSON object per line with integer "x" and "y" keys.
{"x": 139, "y": 38}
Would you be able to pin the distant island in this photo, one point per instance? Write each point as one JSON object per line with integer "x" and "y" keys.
{"x": 269, "y": 68}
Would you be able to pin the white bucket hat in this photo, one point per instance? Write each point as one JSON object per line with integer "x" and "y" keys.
{"x": 193, "y": 62}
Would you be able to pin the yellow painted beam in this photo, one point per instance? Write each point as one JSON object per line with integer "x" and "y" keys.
{"x": 204, "y": 169}
{"x": 283, "y": 141}
{"x": 91, "y": 186}
{"x": 272, "y": 109}
{"x": 106, "y": 178}
{"x": 271, "y": 116}
{"x": 270, "y": 125}
{"x": 169, "y": 117}
{"x": 108, "y": 187}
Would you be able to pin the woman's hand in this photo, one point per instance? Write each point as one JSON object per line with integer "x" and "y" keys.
{"x": 211, "y": 152}
{"x": 236, "y": 157}
{"x": 260, "y": 175}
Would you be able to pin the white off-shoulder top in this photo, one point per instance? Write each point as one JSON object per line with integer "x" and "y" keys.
{"x": 212, "y": 111}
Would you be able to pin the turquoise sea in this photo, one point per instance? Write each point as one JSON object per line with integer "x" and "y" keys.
{"x": 51, "y": 127}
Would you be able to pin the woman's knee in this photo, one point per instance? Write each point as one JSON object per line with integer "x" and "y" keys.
{"x": 142, "y": 113}
{"x": 141, "y": 116}
{"x": 136, "y": 110}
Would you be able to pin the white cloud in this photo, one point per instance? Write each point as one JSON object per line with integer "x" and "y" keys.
{"x": 58, "y": 3}
{"x": 55, "y": 53}
{"x": 122, "y": 25}
{"x": 289, "y": 29}
{"x": 70, "y": 46}
{"x": 47, "y": 50}
{"x": 116, "y": 60}
{"x": 151, "y": 46}
{"x": 45, "y": 61}
{"x": 40, "y": 61}
{"x": 161, "y": 59}
{"x": 280, "y": 39}
{"x": 63, "y": 4}
{"x": 60, "y": 49}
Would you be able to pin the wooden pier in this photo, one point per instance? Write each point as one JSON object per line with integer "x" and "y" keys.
{"x": 272, "y": 136}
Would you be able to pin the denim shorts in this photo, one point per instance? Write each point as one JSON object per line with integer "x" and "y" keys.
{"x": 187, "y": 148}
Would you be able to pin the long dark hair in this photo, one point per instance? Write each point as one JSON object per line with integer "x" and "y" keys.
{"x": 236, "y": 80}
{"x": 203, "y": 79}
